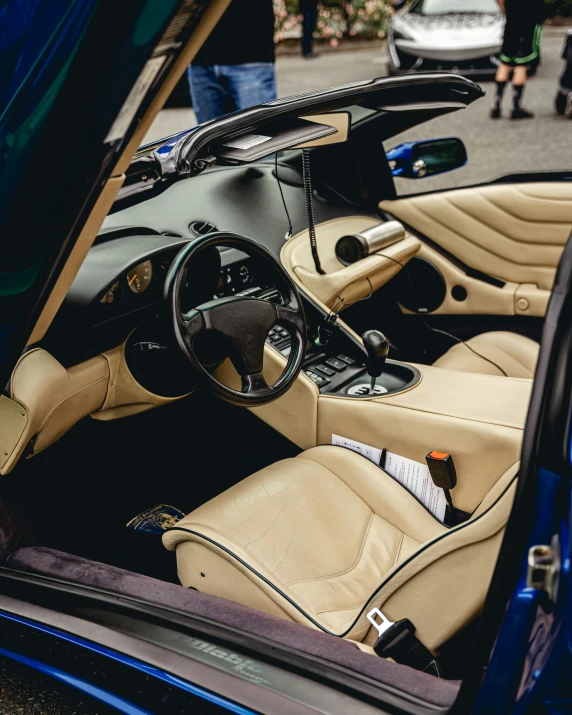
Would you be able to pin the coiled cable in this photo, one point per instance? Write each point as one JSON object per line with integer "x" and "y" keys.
{"x": 307, "y": 180}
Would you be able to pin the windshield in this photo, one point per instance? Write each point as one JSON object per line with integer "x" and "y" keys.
{"x": 444, "y": 7}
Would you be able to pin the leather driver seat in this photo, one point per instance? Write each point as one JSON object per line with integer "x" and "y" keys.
{"x": 495, "y": 353}
{"x": 322, "y": 538}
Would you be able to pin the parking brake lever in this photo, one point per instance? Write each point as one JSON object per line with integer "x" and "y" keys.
{"x": 377, "y": 347}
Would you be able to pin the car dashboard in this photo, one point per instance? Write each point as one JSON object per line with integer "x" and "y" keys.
{"x": 120, "y": 284}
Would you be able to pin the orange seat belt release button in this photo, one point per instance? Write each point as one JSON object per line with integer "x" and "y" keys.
{"x": 442, "y": 469}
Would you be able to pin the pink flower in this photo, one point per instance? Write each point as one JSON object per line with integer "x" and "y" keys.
{"x": 334, "y": 42}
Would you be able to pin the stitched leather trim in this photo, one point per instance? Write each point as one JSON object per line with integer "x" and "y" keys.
{"x": 399, "y": 545}
{"x": 345, "y": 571}
{"x": 287, "y": 598}
{"x": 68, "y": 397}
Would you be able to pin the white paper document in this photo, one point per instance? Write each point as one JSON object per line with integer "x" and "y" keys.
{"x": 371, "y": 453}
{"x": 247, "y": 141}
{"x": 416, "y": 478}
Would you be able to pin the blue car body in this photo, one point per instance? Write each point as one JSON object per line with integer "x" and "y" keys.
{"x": 62, "y": 152}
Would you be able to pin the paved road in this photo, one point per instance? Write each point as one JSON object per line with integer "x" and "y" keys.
{"x": 494, "y": 148}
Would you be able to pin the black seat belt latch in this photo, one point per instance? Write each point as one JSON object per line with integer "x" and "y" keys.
{"x": 397, "y": 640}
{"x": 443, "y": 473}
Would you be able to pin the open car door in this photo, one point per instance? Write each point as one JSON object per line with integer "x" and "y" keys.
{"x": 526, "y": 664}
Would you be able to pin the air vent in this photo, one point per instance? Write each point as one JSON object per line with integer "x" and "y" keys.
{"x": 201, "y": 228}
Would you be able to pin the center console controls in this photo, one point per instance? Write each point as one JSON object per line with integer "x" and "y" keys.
{"x": 338, "y": 373}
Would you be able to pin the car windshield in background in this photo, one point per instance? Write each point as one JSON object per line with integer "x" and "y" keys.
{"x": 447, "y": 7}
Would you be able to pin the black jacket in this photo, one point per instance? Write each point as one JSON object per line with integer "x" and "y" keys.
{"x": 245, "y": 33}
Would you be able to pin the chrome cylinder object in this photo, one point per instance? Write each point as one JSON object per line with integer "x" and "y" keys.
{"x": 354, "y": 247}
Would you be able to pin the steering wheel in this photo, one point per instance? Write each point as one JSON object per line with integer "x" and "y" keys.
{"x": 243, "y": 322}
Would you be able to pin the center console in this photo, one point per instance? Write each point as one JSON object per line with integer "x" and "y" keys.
{"x": 341, "y": 368}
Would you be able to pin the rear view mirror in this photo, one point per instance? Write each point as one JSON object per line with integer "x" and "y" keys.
{"x": 417, "y": 160}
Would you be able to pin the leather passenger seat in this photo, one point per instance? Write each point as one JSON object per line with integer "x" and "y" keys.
{"x": 495, "y": 353}
{"x": 323, "y": 538}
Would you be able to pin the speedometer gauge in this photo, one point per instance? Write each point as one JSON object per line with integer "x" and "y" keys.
{"x": 111, "y": 294}
{"x": 139, "y": 278}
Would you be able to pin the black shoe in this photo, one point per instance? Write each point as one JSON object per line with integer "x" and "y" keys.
{"x": 495, "y": 113}
{"x": 521, "y": 113}
{"x": 310, "y": 55}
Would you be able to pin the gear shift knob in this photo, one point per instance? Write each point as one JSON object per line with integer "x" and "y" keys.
{"x": 377, "y": 348}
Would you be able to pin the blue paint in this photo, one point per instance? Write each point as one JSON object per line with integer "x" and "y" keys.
{"x": 402, "y": 158}
{"x": 169, "y": 142}
{"x": 131, "y": 662}
{"x": 528, "y": 651}
{"x": 105, "y": 697}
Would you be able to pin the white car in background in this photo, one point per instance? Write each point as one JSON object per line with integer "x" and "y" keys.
{"x": 462, "y": 36}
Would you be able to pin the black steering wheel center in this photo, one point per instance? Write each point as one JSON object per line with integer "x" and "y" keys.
{"x": 243, "y": 322}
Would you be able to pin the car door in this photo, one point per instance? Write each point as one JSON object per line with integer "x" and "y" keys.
{"x": 495, "y": 229}
{"x": 496, "y": 245}
{"x": 522, "y": 655}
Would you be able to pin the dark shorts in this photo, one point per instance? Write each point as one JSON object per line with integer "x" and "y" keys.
{"x": 521, "y": 45}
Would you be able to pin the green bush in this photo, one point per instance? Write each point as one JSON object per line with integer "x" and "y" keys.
{"x": 336, "y": 19}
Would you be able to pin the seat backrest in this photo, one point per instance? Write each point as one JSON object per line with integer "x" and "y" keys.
{"x": 442, "y": 586}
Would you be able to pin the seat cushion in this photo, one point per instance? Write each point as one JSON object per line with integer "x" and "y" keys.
{"x": 324, "y": 528}
{"x": 317, "y": 539}
{"x": 495, "y": 353}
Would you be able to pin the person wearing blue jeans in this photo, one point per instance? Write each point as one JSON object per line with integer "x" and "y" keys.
{"x": 234, "y": 69}
{"x": 220, "y": 89}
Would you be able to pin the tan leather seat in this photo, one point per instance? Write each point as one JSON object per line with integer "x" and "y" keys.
{"x": 495, "y": 353}
{"x": 322, "y": 538}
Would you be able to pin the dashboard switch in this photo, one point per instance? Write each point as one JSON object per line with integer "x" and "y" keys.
{"x": 346, "y": 359}
{"x": 336, "y": 364}
{"x": 324, "y": 370}
{"x": 319, "y": 380}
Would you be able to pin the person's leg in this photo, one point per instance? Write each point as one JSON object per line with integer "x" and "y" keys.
{"x": 528, "y": 56}
{"x": 564, "y": 96}
{"x": 519, "y": 78}
{"x": 309, "y": 10}
{"x": 207, "y": 93}
{"x": 251, "y": 84}
{"x": 501, "y": 78}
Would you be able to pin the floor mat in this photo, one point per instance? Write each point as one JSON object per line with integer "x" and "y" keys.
{"x": 101, "y": 474}
{"x": 156, "y": 520}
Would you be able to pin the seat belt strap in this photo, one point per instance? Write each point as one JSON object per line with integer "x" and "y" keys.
{"x": 398, "y": 641}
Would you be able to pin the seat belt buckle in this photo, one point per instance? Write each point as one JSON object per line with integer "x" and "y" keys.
{"x": 382, "y": 627}
{"x": 398, "y": 641}
{"x": 388, "y": 632}
{"x": 442, "y": 469}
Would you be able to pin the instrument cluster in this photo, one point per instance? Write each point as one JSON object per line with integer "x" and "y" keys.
{"x": 137, "y": 280}
{"x": 143, "y": 284}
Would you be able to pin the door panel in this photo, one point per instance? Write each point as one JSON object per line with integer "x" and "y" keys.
{"x": 513, "y": 232}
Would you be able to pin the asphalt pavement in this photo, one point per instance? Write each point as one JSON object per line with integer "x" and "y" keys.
{"x": 494, "y": 147}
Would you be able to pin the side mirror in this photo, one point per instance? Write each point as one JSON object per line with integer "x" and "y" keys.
{"x": 416, "y": 160}
{"x": 398, "y": 4}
